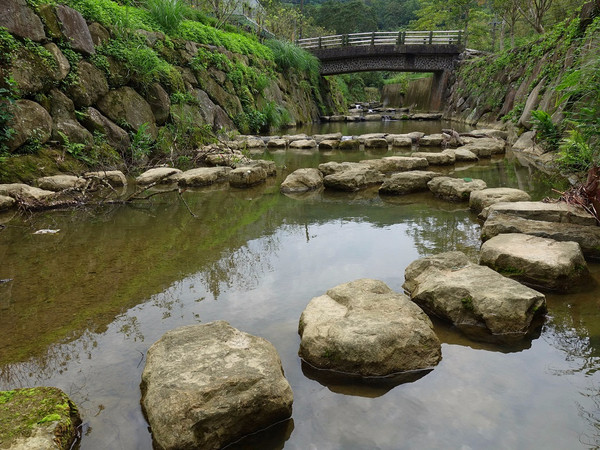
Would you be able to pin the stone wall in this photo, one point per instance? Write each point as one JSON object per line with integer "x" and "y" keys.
{"x": 500, "y": 89}
{"x": 57, "y": 103}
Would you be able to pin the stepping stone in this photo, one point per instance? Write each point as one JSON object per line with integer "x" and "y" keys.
{"x": 303, "y": 144}
{"x": 269, "y": 166}
{"x": 206, "y": 386}
{"x": 327, "y": 137}
{"x": 353, "y": 179}
{"x": 376, "y": 143}
{"x": 349, "y": 144}
{"x": 332, "y": 167}
{"x": 431, "y": 140}
{"x": 203, "y": 176}
{"x": 455, "y": 189}
{"x": 485, "y": 147}
{"x": 20, "y": 190}
{"x": 445, "y": 158}
{"x": 540, "y": 262}
{"x": 365, "y": 328}
{"x": 157, "y": 175}
{"x": 60, "y": 182}
{"x": 277, "y": 143}
{"x": 486, "y": 197}
{"x": 38, "y": 418}
{"x": 6, "y": 202}
{"x": 548, "y": 212}
{"x": 396, "y": 163}
{"x": 244, "y": 177}
{"x": 475, "y": 298}
{"x": 113, "y": 177}
{"x": 302, "y": 180}
{"x": 407, "y": 182}
{"x": 588, "y": 237}
{"x": 464, "y": 155}
{"x": 329, "y": 144}
{"x": 405, "y": 141}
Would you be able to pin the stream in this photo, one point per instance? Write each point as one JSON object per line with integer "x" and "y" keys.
{"x": 84, "y": 305}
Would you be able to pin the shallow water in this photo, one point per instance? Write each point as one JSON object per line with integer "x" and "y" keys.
{"x": 85, "y": 304}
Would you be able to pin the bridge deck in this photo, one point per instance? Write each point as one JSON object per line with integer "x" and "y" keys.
{"x": 452, "y": 37}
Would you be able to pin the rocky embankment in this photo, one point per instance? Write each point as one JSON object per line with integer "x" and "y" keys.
{"x": 83, "y": 88}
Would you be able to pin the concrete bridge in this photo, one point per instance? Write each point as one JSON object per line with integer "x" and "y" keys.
{"x": 405, "y": 51}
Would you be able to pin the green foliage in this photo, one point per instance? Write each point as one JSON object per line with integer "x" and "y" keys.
{"x": 7, "y": 100}
{"x": 352, "y": 16}
{"x": 77, "y": 150}
{"x": 113, "y": 15}
{"x": 167, "y": 13}
{"x": 467, "y": 303}
{"x": 8, "y": 46}
{"x": 244, "y": 44}
{"x": 250, "y": 121}
{"x": 181, "y": 98}
{"x": 576, "y": 154}
{"x": 41, "y": 53}
{"x": 546, "y": 131}
{"x": 73, "y": 57}
{"x": 289, "y": 56}
{"x": 142, "y": 61}
{"x": 141, "y": 145}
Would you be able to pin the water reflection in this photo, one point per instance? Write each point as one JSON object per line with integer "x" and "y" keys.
{"x": 348, "y": 384}
{"x": 85, "y": 304}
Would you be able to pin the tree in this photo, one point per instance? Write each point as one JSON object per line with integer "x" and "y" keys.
{"x": 533, "y": 12}
{"x": 353, "y": 16}
{"x": 507, "y": 10}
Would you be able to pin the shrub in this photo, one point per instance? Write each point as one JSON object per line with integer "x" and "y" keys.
{"x": 546, "y": 131}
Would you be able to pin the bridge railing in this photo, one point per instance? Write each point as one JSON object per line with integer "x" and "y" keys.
{"x": 383, "y": 38}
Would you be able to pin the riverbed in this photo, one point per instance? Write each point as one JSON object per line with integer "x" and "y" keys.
{"x": 85, "y": 303}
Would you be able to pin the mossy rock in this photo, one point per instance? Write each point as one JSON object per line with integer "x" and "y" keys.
{"x": 42, "y": 417}
{"x": 46, "y": 162}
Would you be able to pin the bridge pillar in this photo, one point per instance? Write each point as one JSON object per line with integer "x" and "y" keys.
{"x": 438, "y": 88}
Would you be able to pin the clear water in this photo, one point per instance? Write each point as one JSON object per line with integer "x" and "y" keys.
{"x": 85, "y": 304}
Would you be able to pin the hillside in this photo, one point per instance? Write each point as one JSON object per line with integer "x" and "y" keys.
{"x": 92, "y": 83}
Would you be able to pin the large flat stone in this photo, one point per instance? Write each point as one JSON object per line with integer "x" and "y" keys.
{"x": 588, "y": 237}
{"x": 485, "y": 147}
{"x": 75, "y": 29}
{"x": 20, "y": 190}
{"x": 544, "y": 263}
{"x": 365, "y": 328}
{"x": 474, "y": 298}
{"x": 302, "y": 180}
{"x": 396, "y": 163}
{"x": 548, "y": 212}
{"x": 455, "y": 189}
{"x": 332, "y": 167}
{"x": 353, "y": 179}
{"x": 243, "y": 177}
{"x": 157, "y": 175}
{"x": 60, "y": 182}
{"x": 444, "y": 158}
{"x": 407, "y": 182}
{"x": 486, "y": 197}
{"x": 203, "y": 176}
{"x": 206, "y": 386}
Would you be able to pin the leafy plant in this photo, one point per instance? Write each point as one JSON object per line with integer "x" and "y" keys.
{"x": 167, "y": 13}
{"x": 7, "y": 100}
{"x": 142, "y": 144}
{"x": 546, "y": 131}
{"x": 76, "y": 149}
{"x": 576, "y": 154}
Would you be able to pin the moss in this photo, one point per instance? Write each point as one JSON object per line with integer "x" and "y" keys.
{"x": 509, "y": 271}
{"x": 467, "y": 303}
{"x": 25, "y": 168}
{"x": 22, "y": 410}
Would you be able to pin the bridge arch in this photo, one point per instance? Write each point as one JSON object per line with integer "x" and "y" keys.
{"x": 409, "y": 51}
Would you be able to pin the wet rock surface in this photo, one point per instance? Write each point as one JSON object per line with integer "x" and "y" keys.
{"x": 543, "y": 263}
{"x": 474, "y": 298}
{"x": 365, "y": 328}
{"x": 206, "y": 386}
